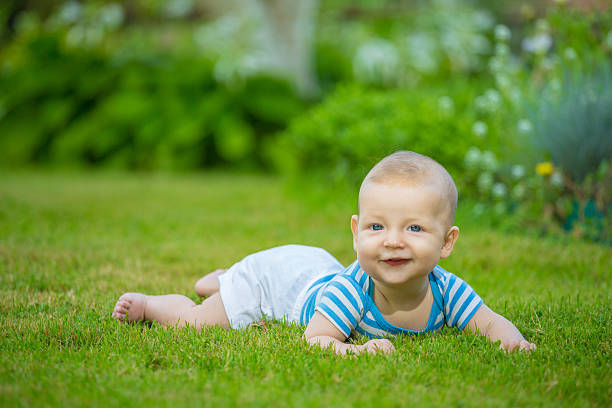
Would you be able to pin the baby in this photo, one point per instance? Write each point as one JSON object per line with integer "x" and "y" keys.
{"x": 407, "y": 204}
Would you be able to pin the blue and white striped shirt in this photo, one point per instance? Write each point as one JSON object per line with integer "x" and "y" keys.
{"x": 345, "y": 299}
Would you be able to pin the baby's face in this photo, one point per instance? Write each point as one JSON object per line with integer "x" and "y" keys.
{"x": 400, "y": 232}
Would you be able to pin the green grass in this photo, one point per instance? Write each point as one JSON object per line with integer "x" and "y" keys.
{"x": 71, "y": 244}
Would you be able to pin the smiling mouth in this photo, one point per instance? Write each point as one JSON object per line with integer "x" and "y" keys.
{"x": 396, "y": 261}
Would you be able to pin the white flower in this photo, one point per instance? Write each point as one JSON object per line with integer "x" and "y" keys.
{"x": 484, "y": 182}
{"x": 489, "y": 162}
{"x": 517, "y": 171}
{"x": 75, "y": 36}
{"x": 502, "y": 33}
{"x": 422, "y": 50}
{"x": 178, "y": 8}
{"x": 499, "y": 190}
{"x": 483, "y": 20}
{"x": 376, "y": 61}
{"x": 502, "y": 50}
{"x": 112, "y": 15}
{"x": 570, "y": 54}
{"x": 493, "y": 98}
{"x": 524, "y": 126}
{"x": 70, "y": 12}
{"x": 538, "y": 44}
{"x": 495, "y": 64}
{"x": 556, "y": 179}
{"x": 472, "y": 158}
{"x": 502, "y": 81}
{"x": 480, "y": 129}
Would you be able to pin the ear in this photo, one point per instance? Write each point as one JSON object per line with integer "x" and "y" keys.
{"x": 449, "y": 241}
{"x": 354, "y": 224}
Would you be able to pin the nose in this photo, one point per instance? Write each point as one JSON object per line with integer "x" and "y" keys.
{"x": 394, "y": 239}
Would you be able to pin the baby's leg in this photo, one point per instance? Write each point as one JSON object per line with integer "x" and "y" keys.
{"x": 171, "y": 310}
{"x": 209, "y": 284}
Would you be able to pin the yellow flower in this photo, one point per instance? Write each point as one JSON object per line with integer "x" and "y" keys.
{"x": 545, "y": 169}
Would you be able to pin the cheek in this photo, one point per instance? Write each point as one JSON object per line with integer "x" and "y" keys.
{"x": 365, "y": 246}
{"x": 427, "y": 248}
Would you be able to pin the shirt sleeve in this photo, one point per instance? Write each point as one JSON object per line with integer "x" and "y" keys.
{"x": 342, "y": 303}
{"x": 460, "y": 302}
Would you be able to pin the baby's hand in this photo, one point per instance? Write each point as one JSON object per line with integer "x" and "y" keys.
{"x": 379, "y": 345}
{"x": 522, "y": 345}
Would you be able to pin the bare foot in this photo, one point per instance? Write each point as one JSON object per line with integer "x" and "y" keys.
{"x": 130, "y": 307}
{"x": 209, "y": 284}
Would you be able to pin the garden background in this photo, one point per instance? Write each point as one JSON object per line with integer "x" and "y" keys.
{"x": 148, "y": 142}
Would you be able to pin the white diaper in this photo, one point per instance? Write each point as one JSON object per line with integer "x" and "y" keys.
{"x": 272, "y": 283}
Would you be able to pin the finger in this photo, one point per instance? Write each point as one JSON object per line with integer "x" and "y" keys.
{"x": 388, "y": 350}
{"x": 387, "y": 345}
{"x": 373, "y": 348}
{"x": 378, "y": 347}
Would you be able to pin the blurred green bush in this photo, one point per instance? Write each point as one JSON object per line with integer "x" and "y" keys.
{"x": 338, "y": 141}
{"x": 81, "y": 105}
{"x": 389, "y": 43}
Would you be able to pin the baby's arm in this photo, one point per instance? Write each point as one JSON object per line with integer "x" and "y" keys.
{"x": 496, "y": 327}
{"x": 320, "y": 331}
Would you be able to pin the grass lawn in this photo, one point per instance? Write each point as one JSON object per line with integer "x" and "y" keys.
{"x": 71, "y": 244}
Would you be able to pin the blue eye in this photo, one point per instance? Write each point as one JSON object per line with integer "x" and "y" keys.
{"x": 415, "y": 228}
{"x": 376, "y": 227}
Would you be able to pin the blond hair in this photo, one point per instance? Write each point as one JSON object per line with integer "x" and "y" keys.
{"x": 410, "y": 168}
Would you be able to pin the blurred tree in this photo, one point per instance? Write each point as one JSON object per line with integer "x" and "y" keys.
{"x": 285, "y": 30}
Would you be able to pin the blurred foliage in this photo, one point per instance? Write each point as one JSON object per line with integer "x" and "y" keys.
{"x": 492, "y": 91}
{"x": 568, "y": 56}
{"x": 573, "y": 121}
{"x": 542, "y": 95}
{"x": 541, "y": 198}
{"x": 387, "y": 43}
{"x": 339, "y": 140}
{"x": 67, "y": 99}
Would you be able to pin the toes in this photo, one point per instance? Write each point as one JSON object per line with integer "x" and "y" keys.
{"x": 118, "y": 315}
{"x": 125, "y": 298}
{"x": 122, "y": 307}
